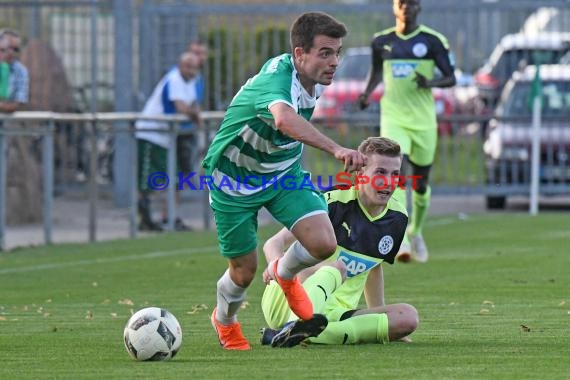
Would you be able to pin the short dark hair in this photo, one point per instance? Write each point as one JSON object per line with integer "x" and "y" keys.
{"x": 380, "y": 145}
{"x": 311, "y": 24}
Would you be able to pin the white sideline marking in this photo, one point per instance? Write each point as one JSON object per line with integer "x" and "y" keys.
{"x": 150, "y": 255}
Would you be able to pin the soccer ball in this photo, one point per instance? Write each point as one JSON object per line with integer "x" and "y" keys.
{"x": 152, "y": 333}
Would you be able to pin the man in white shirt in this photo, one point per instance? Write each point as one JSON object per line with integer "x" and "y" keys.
{"x": 174, "y": 94}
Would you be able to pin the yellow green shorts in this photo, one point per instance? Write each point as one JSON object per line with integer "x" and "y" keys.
{"x": 419, "y": 145}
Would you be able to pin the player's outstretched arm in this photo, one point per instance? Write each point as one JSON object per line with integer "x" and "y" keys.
{"x": 294, "y": 126}
{"x": 446, "y": 67}
{"x": 374, "y": 78}
{"x": 446, "y": 81}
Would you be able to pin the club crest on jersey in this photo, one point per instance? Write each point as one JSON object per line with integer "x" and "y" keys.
{"x": 385, "y": 245}
{"x": 403, "y": 69}
{"x": 355, "y": 264}
{"x": 419, "y": 49}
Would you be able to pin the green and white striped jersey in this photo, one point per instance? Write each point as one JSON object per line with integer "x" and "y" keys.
{"x": 248, "y": 148}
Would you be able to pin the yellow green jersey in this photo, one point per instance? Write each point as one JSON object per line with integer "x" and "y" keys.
{"x": 364, "y": 242}
{"x": 401, "y": 56}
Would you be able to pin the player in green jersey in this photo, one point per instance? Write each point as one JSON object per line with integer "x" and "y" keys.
{"x": 369, "y": 221}
{"x": 259, "y": 143}
{"x": 405, "y": 57}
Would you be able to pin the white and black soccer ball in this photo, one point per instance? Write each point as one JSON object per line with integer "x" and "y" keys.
{"x": 153, "y": 334}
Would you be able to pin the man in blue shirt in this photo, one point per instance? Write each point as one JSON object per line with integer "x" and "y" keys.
{"x": 18, "y": 82}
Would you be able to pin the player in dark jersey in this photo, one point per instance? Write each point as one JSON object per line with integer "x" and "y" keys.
{"x": 369, "y": 222}
{"x": 405, "y": 58}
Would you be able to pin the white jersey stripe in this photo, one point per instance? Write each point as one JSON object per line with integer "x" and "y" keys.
{"x": 262, "y": 145}
{"x": 251, "y": 164}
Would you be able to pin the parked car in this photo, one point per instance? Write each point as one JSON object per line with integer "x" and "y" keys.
{"x": 508, "y": 144}
{"x": 547, "y": 19}
{"x": 338, "y": 102}
{"x": 513, "y": 52}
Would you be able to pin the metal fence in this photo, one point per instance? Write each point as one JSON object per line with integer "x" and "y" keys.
{"x": 41, "y": 126}
{"x": 462, "y": 163}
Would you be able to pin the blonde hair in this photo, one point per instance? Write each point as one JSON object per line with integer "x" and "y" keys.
{"x": 380, "y": 145}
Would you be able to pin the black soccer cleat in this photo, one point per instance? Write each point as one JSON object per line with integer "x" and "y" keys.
{"x": 268, "y": 334}
{"x": 294, "y": 333}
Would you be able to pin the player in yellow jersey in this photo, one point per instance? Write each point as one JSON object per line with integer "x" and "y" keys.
{"x": 369, "y": 222}
{"x": 404, "y": 57}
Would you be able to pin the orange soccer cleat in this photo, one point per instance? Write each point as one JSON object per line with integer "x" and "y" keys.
{"x": 230, "y": 337}
{"x": 295, "y": 294}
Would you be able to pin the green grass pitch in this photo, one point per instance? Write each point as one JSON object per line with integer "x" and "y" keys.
{"x": 494, "y": 303}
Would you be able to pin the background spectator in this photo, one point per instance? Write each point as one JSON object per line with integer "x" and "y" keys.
{"x": 175, "y": 93}
{"x": 18, "y": 84}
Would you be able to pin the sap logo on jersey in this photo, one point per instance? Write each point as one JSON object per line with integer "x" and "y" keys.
{"x": 355, "y": 264}
{"x": 403, "y": 69}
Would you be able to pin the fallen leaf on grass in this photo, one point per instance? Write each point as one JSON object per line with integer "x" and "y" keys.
{"x": 126, "y": 301}
{"x": 3, "y": 318}
{"x": 490, "y": 303}
{"x": 525, "y": 328}
{"x": 562, "y": 303}
{"x": 244, "y": 305}
{"x": 197, "y": 308}
{"x": 114, "y": 315}
{"x": 89, "y": 314}
{"x": 484, "y": 311}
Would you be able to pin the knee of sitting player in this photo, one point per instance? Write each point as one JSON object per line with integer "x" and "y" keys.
{"x": 409, "y": 318}
{"x": 403, "y": 320}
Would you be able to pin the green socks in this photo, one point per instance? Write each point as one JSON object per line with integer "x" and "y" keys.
{"x": 367, "y": 328}
{"x": 420, "y": 209}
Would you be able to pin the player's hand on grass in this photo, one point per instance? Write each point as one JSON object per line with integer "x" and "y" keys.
{"x": 353, "y": 160}
{"x": 363, "y": 102}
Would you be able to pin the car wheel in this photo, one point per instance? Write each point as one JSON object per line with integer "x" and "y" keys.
{"x": 496, "y": 202}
